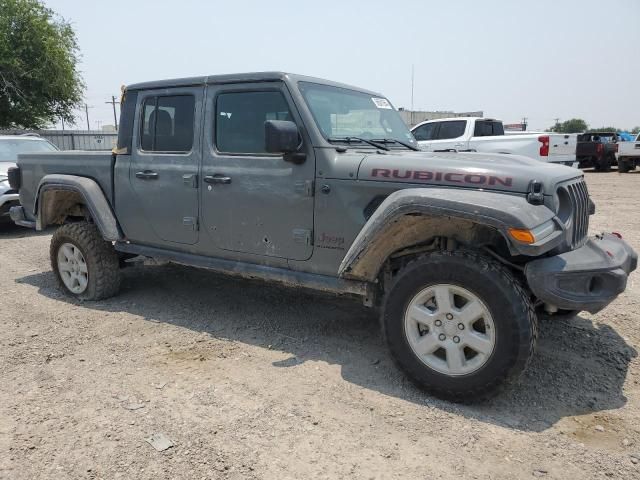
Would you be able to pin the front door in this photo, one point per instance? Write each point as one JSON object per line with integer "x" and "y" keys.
{"x": 165, "y": 163}
{"x": 254, "y": 202}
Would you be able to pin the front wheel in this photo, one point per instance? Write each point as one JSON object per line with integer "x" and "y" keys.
{"x": 459, "y": 324}
{"x": 86, "y": 266}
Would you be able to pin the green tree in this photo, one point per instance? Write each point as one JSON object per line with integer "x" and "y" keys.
{"x": 635, "y": 130}
{"x": 605, "y": 129}
{"x": 575, "y": 125}
{"x": 39, "y": 77}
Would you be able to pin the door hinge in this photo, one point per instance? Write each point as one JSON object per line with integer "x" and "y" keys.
{"x": 303, "y": 236}
{"x": 190, "y": 222}
{"x": 305, "y": 187}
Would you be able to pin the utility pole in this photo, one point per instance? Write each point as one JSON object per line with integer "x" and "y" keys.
{"x": 115, "y": 116}
{"x": 86, "y": 112}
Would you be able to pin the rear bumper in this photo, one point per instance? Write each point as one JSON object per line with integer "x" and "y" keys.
{"x": 18, "y": 217}
{"x": 588, "y": 278}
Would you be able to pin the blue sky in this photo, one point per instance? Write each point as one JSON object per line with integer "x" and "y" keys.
{"x": 542, "y": 60}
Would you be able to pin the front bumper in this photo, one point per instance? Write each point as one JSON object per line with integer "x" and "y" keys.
{"x": 588, "y": 278}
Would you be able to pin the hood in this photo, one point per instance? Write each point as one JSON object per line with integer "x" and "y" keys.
{"x": 4, "y": 168}
{"x": 503, "y": 172}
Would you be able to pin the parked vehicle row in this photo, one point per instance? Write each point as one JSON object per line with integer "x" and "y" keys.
{"x": 321, "y": 185}
{"x": 476, "y": 134}
{"x": 629, "y": 155}
{"x": 597, "y": 150}
{"x": 10, "y": 147}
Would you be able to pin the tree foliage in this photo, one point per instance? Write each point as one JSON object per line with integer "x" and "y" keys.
{"x": 39, "y": 77}
{"x": 575, "y": 125}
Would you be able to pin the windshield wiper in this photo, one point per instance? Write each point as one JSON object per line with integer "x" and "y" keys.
{"x": 358, "y": 139}
{"x": 399, "y": 142}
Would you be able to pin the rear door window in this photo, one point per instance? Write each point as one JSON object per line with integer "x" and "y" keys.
{"x": 453, "y": 129}
{"x": 167, "y": 124}
{"x": 425, "y": 132}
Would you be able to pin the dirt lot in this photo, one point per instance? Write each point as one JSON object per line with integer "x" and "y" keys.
{"x": 257, "y": 381}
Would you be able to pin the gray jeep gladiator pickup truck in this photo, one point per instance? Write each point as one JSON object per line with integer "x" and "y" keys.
{"x": 317, "y": 184}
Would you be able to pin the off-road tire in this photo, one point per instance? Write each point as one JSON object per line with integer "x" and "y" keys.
{"x": 623, "y": 166}
{"x": 516, "y": 324}
{"x": 605, "y": 163}
{"x": 100, "y": 256}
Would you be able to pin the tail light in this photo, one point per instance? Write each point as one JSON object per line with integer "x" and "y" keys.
{"x": 599, "y": 148}
{"x": 544, "y": 147}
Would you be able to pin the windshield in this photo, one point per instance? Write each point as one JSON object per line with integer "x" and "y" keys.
{"x": 342, "y": 113}
{"x": 11, "y": 147}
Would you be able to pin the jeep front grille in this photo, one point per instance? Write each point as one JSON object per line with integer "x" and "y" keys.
{"x": 578, "y": 222}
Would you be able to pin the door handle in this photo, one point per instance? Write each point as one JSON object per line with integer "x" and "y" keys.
{"x": 217, "y": 178}
{"x": 147, "y": 175}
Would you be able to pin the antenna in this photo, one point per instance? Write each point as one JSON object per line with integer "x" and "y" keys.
{"x": 412, "y": 84}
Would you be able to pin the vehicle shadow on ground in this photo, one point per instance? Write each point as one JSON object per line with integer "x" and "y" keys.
{"x": 11, "y": 230}
{"x": 579, "y": 368}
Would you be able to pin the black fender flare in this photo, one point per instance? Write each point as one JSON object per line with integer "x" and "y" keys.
{"x": 498, "y": 211}
{"x": 94, "y": 199}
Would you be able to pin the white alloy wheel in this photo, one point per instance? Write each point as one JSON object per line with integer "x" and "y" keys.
{"x": 73, "y": 268}
{"x": 450, "y": 329}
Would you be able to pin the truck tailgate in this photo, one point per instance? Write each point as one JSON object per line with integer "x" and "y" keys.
{"x": 562, "y": 144}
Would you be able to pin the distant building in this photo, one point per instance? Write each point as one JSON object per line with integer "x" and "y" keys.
{"x": 412, "y": 118}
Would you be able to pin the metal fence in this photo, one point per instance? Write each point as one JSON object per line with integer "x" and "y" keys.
{"x": 73, "y": 139}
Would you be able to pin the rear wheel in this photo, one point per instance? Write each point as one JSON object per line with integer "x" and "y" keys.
{"x": 459, "y": 324}
{"x": 623, "y": 165}
{"x": 606, "y": 162}
{"x": 86, "y": 266}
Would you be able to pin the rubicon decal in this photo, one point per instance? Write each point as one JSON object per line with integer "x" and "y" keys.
{"x": 449, "y": 177}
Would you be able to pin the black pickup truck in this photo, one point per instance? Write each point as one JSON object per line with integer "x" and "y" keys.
{"x": 597, "y": 150}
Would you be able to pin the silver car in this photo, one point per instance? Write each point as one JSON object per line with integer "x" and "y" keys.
{"x": 10, "y": 147}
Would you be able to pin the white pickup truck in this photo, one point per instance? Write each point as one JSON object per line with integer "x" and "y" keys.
{"x": 628, "y": 155}
{"x": 476, "y": 134}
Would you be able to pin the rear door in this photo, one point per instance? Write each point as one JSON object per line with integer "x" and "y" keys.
{"x": 164, "y": 165}
{"x": 254, "y": 202}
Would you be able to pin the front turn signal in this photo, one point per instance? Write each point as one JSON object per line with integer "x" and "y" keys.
{"x": 522, "y": 235}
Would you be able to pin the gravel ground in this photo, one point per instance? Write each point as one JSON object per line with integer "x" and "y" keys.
{"x": 250, "y": 380}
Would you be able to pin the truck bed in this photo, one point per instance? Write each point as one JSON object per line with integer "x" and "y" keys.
{"x": 34, "y": 166}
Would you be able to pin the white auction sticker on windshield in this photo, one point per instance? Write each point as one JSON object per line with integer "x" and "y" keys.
{"x": 381, "y": 102}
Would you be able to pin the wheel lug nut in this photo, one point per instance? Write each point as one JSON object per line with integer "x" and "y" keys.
{"x": 456, "y": 339}
{"x": 449, "y": 316}
{"x": 438, "y": 323}
{"x": 442, "y": 337}
{"x": 460, "y": 326}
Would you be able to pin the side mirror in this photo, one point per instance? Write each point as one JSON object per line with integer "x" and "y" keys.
{"x": 281, "y": 136}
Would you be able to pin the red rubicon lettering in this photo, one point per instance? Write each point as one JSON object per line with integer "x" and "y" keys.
{"x": 418, "y": 175}
{"x": 380, "y": 172}
{"x": 475, "y": 178}
{"x": 506, "y": 181}
{"x": 448, "y": 177}
{"x": 406, "y": 174}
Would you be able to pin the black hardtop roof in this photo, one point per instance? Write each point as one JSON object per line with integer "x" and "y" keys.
{"x": 239, "y": 78}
